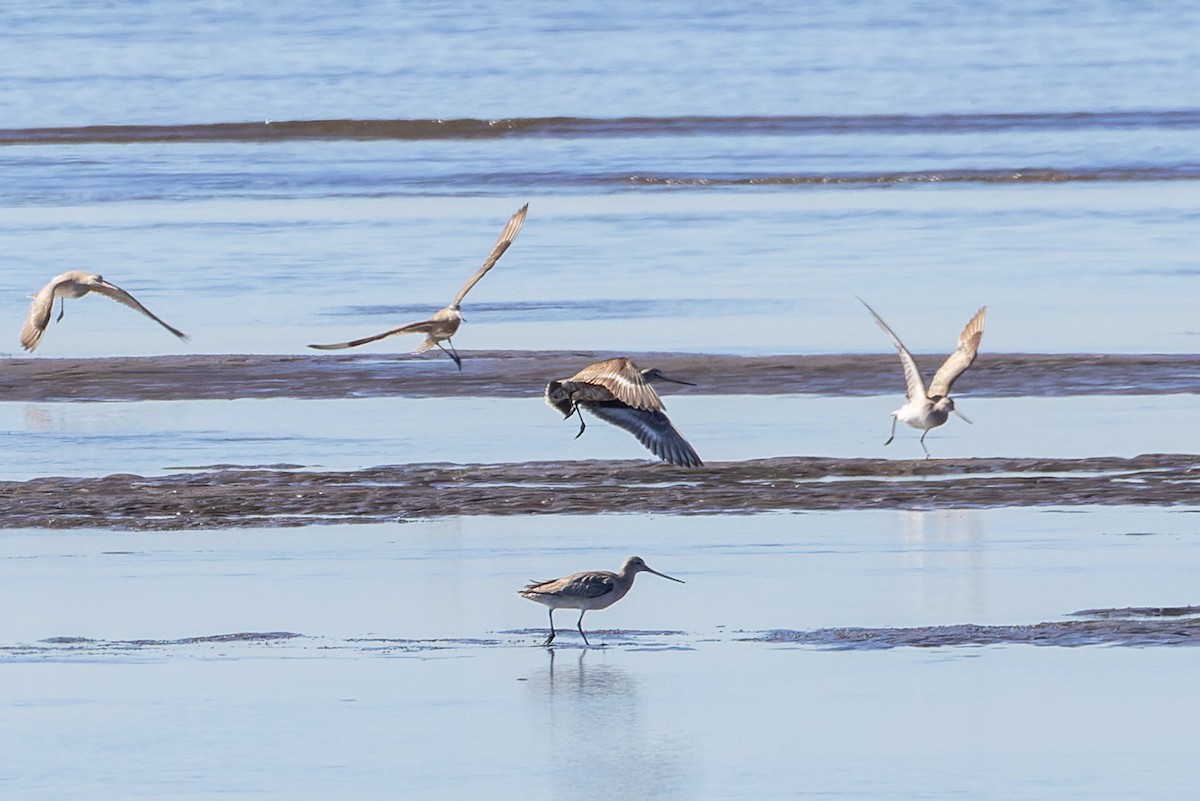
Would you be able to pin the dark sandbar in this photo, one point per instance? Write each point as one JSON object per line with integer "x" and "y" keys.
{"x": 1137, "y": 627}
{"x": 281, "y": 496}
{"x": 525, "y": 373}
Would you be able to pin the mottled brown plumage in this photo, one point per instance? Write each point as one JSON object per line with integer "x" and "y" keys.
{"x": 591, "y": 589}
{"x": 927, "y": 409}
{"x": 444, "y": 324}
{"x": 616, "y": 391}
{"x": 76, "y": 284}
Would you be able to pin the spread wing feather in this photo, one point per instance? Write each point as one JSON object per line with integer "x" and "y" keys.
{"x": 622, "y": 378}
{"x": 39, "y": 314}
{"x": 121, "y": 296}
{"x": 957, "y": 363}
{"x": 652, "y": 429}
{"x": 419, "y": 327}
{"x": 506, "y": 238}
{"x": 912, "y": 376}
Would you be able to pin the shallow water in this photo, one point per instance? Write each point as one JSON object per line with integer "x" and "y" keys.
{"x": 678, "y": 704}
{"x": 456, "y": 579}
{"x": 1090, "y": 268}
{"x": 720, "y": 179}
{"x": 706, "y": 180}
{"x": 866, "y": 725}
{"x": 157, "y": 437}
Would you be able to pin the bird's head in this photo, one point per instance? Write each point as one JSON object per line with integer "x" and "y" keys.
{"x": 635, "y": 564}
{"x": 946, "y": 403}
{"x": 654, "y": 374}
{"x": 558, "y": 395}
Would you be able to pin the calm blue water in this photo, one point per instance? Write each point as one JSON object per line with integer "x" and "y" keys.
{"x": 722, "y": 179}
{"x": 717, "y": 177}
{"x": 185, "y": 62}
{"x": 351, "y": 710}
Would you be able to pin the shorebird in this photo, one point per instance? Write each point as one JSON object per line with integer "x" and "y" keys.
{"x": 75, "y": 284}
{"x": 616, "y": 391}
{"x": 929, "y": 408}
{"x": 443, "y": 325}
{"x": 591, "y": 589}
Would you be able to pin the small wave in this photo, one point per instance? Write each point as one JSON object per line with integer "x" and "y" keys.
{"x": 576, "y": 310}
{"x": 1034, "y": 175}
{"x": 573, "y": 127}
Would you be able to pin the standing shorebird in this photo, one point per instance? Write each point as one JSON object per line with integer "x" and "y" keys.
{"x": 929, "y": 408}
{"x": 591, "y": 589}
{"x": 616, "y": 391}
{"x": 75, "y": 284}
{"x": 443, "y": 325}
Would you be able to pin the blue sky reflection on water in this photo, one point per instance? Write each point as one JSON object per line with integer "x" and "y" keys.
{"x": 1079, "y": 235}
{"x": 153, "y": 437}
{"x": 707, "y": 714}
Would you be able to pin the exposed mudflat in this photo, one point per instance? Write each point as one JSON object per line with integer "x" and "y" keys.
{"x": 286, "y": 495}
{"x": 525, "y": 373}
{"x": 1128, "y": 627}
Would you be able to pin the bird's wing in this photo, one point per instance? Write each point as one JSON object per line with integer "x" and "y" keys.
{"x": 621, "y": 377}
{"x": 419, "y": 327}
{"x": 506, "y": 238}
{"x": 39, "y": 314}
{"x": 652, "y": 429}
{"x": 957, "y": 363}
{"x": 912, "y": 376}
{"x": 591, "y": 584}
{"x": 121, "y": 296}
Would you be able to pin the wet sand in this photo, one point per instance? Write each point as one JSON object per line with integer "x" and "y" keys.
{"x": 224, "y": 496}
{"x": 525, "y": 373}
{"x": 1135, "y": 627}
{"x": 1131, "y": 627}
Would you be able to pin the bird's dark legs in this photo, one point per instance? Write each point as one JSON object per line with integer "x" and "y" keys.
{"x": 893, "y": 436}
{"x": 582, "y": 425}
{"x": 580, "y": 627}
{"x": 62, "y": 309}
{"x": 452, "y": 353}
{"x": 550, "y": 639}
{"x": 928, "y": 455}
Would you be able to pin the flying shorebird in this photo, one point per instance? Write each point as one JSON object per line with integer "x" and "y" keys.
{"x": 443, "y": 325}
{"x": 929, "y": 408}
{"x": 75, "y": 284}
{"x": 618, "y": 392}
{"x": 592, "y": 589}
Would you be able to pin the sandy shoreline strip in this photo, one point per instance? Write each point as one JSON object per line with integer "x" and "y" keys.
{"x": 283, "y": 495}
{"x": 525, "y": 373}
